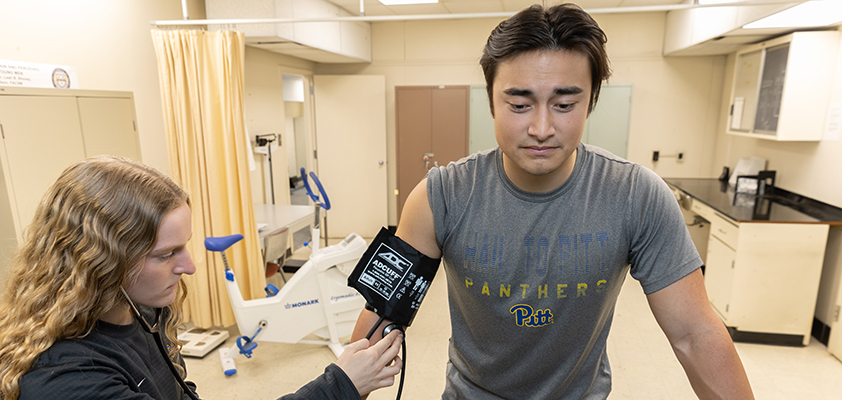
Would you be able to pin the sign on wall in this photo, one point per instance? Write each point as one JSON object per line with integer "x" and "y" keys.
{"x": 24, "y": 74}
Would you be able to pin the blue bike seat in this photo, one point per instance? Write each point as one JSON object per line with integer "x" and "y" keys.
{"x": 221, "y": 243}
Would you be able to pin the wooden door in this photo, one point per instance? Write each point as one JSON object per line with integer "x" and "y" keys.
{"x": 351, "y": 152}
{"x": 413, "y": 128}
{"x": 449, "y": 139}
{"x": 432, "y": 130}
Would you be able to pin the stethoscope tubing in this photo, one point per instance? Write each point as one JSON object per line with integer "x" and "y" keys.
{"x": 155, "y": 330}
{"x": 160, "y": 342}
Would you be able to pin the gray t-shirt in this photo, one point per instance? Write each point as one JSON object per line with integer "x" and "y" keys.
{"x": 533, "y": 277}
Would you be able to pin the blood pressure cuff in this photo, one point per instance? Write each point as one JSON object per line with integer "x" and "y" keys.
{"x": 393, "y": 277}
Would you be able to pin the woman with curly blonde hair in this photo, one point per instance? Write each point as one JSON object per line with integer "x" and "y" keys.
{"x": 100, "y": 229}
{"x": 98, "y": 273}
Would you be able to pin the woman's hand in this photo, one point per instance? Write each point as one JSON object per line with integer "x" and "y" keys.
{"x": 374, "y": 367}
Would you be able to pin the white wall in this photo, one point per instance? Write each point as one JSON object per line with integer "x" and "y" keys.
{"x": 675, "y": 106}
{"x": 109, "y": 43}
{"x": 675, "y": 100}
{"x": 265, "y": 113}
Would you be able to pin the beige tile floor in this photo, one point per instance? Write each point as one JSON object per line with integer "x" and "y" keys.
{"x": 642, "y": 362}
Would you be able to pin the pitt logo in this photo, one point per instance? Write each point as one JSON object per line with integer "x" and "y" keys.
{"x": 525, "y": 315}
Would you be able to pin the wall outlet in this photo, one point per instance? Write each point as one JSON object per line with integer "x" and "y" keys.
{"x": 655, "y": 155}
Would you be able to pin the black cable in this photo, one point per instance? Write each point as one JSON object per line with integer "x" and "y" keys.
{"x": 374, "y": 328}
{"x": 403, "y": 367}
{"x": 403, "y": 350}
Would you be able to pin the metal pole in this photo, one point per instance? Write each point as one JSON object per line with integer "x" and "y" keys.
{"x": 383, "y": 18}
{"x": 271, "y": 176}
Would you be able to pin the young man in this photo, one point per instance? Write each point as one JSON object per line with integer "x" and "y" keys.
{"x": 538, "y": 235}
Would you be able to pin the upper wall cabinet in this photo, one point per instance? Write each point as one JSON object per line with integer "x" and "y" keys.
{"x": 328, "y": 41}
{"x": 781, "y": 87}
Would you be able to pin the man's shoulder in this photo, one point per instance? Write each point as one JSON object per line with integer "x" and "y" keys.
{"x": 466, "y": 167}
{"x": 481, "y": 159}
{"x": 602, "y": 166}
{"x": 599, "y": 164}
{"x": 600, "y": 154}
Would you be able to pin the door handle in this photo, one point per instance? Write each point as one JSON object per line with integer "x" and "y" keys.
{"x": 427, "y": 157}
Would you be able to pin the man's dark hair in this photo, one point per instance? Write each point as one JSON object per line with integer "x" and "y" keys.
{"x": 562, "y": 27}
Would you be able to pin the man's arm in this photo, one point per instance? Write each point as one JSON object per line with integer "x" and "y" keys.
{"x": 700, "y": 340}
{"x": 416, "y": 228}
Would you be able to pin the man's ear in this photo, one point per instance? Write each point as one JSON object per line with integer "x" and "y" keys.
{"x": 490, "y": 100}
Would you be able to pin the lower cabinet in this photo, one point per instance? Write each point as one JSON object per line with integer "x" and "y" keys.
{"x": 763, "y": 278}
{"x": 719, "y": 275}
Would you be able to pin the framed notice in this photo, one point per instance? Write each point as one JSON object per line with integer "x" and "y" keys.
{"x": 24, "y": 74}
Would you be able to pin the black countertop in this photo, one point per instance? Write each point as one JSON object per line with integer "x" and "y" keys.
{"x": 777, "y": 205}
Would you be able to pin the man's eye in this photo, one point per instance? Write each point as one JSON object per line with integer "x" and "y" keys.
{"x": 518, "y": 107}
{"x": 565, "y": 107}
{"x": 167, "y": 256}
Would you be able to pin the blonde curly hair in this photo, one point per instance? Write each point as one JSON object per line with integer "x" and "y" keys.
{"x": 89, "y": 237}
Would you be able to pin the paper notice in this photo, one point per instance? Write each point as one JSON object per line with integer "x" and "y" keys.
{"x": 833, "y": 123}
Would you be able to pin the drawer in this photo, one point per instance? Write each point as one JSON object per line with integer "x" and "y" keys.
{"x": 725, "y": 229}
{"x": 702, "y": 210}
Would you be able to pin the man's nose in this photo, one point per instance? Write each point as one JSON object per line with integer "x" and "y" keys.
{"x": 541, "y": 127}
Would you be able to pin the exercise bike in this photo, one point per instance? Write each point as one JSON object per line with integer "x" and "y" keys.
{"x": 316, "y": 301}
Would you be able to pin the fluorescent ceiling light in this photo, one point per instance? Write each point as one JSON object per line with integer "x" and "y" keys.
{"x": 809, "y": 14}
{"x": 404, "y": 2}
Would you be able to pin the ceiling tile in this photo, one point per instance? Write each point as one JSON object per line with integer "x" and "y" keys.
{"x": 517, "y": 5}
{"x": 474, "y": 6}
{"x": 377, "y": 9}
{"x": 419, "y": 9}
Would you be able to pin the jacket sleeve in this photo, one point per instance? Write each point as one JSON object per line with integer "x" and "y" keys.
{"x": 333, "y": 384}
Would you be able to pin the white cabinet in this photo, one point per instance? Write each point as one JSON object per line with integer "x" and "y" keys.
{"x": 719, "y": 275}
{"x": 323, "y": 42}
{"x": 42, "y": 132}
{"x": 721, "y": 262}
{"x": 763, "y": 277}
{"x": 781, "y": 87}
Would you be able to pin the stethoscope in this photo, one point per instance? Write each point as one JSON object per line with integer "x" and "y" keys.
{"x": 155, "y": 330}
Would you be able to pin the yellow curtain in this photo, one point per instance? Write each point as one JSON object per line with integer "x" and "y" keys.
{"x": 202, "y": 75}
